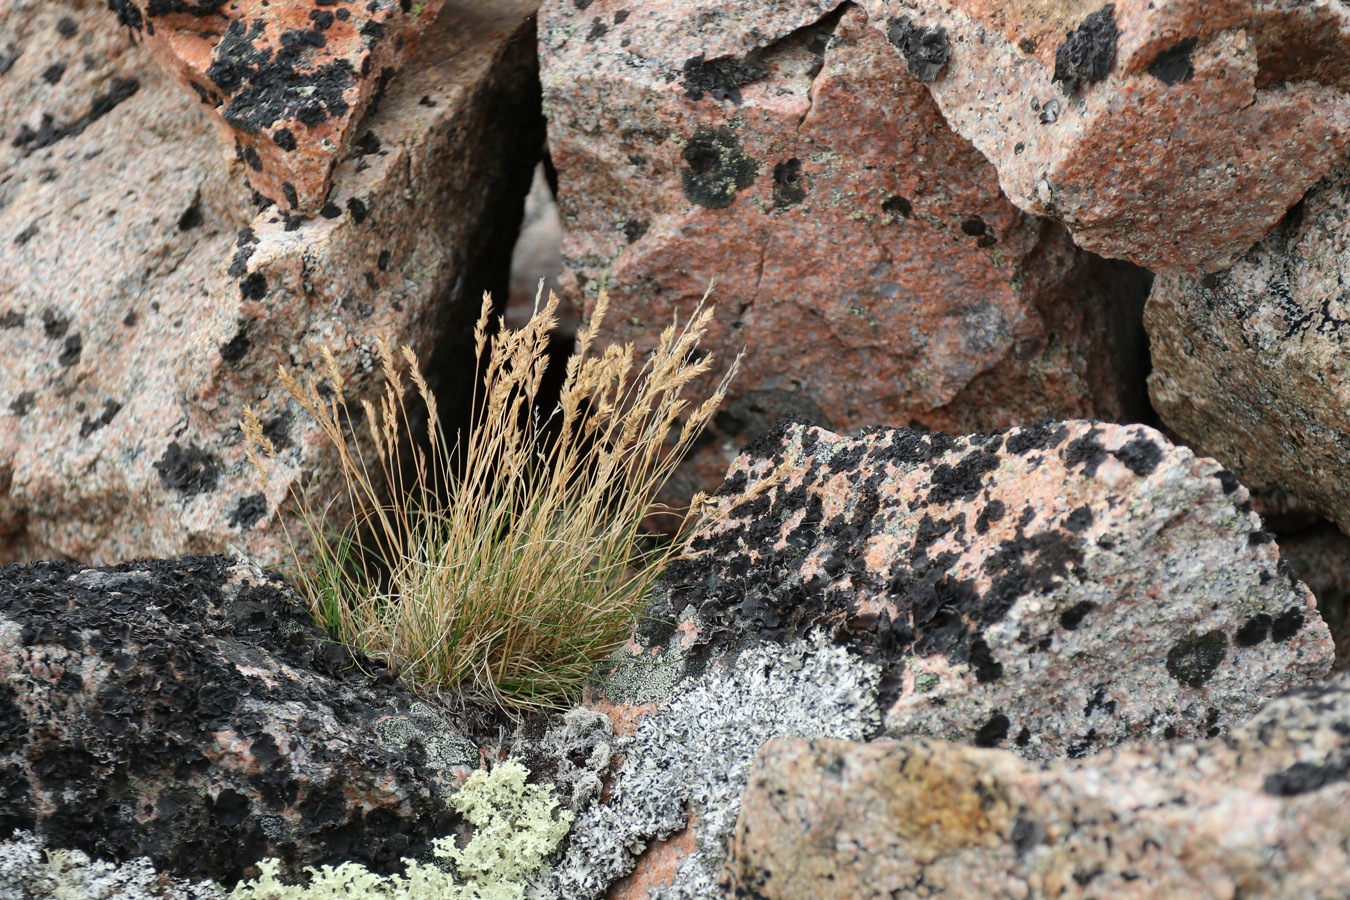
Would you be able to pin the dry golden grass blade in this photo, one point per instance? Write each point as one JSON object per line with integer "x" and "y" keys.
{"x": 533, "y": 570}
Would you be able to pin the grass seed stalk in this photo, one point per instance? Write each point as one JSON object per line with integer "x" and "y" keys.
{"x": 506, "y": 561}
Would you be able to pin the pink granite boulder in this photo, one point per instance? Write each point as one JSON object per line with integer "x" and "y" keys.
{"x": 1053, "y": 590}
{"x": 285, "y": 84}
{"x": 1171, "y": 134}
{"x": 865, "y": 256}
{"x": 142, "y": 306}
{"x": 1262, "y": 812}
{"x": 1250, "y": 364}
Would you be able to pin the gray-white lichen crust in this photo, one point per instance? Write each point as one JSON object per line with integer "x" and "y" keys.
{"x": 693, "y": 757}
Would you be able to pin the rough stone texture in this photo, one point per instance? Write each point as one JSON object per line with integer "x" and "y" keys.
{"x": 286, "y": 84}
{"x": 1176, "y": 142}
{"x": 1250, "y": 365}
{"x": 865, "y": 257}
{"x": 1262, "y": 812}
{"x": 140, "y": 309}
{"x": 189, "y": 711}
{"x": 1054, "y": 590}
{"x": 1320, "y": 557}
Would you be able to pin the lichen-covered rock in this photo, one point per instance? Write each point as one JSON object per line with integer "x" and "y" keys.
{"x": 1252, "y": 365}
{"x": 286, "y": 84}
{"x": 864, "y": 255}
{"x": 29, "y": 871}
{"x": 1262, "y": 812}
{"x": 1052, "y": 590}
{"x": 141, "y": 308}
{"x": 189, "y": 711}
{"x": 1171, "y": 134}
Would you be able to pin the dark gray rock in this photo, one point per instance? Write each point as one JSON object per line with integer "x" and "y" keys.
{"x": 189, "y": 711}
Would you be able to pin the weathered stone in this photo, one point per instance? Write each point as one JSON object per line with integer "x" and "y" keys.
{"x": 864, "y": 255}
{"x": 285, "y": 84}
{"x": 190, "y": 711}
{"x": 1250, "y": 365}
{"x": 1054, "y": 590}
{"x": 141, "y": 308}
{"x": 1262, "y": 812}
{"x": 1171, "y": 134}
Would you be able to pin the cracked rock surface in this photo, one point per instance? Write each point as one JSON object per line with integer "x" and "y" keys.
{"x": 1260, "y": 812}
{"x": 139, "y": 313}
{"x": 190, "y": 712}
{"x": 864, "y": 254}
{"x": 1053, "y": 590}
{"x": 1171, "y": 134}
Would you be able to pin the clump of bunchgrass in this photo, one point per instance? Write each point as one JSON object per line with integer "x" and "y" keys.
{"x": 506, "y": 561}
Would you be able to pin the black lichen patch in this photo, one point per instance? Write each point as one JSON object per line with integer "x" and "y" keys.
{"x": 926, "y": 50}
{"x": 1141, "y": 456}
{"x": 1085, "y": 451}
{"x": 1088, "y": 51}
{"x": 67, "y": 27}
{"x": 982, "y": 662}
{"x": 993, "y": 732}
{"x": 254, "y": 287}
{"x": 1305, "y": 777}
{"x": 1072, "y": 617}
{"x": 71, "y": 349}
{"x": 721, "y": 78}
{"x": 635, "y": 229}
{"x": 30, "y": 140}
{"x": 52, "y": 74}
{"x": 1194, "y": 659}
{"x": 963, "y": 480}
{"x": 1286, "y": 624}
{"x": 598, "y": 30}
{"x": 358, "y": 209}
{"x": 788, "y": 187}
{"x": 23, "y": 237}
{"x": 898, "y": 206}
{"x": 248, "y": 511}
{"x": 54, "y": 324}
{"x": 22, "y": 405}
{"x": 189, "y": 470}
{"x": 12, "y": 319}
{"x": 716, "y": 168}
{"x": 285, "y": 139}
{"x": 110, "y": 409}
{"x": 270, "y": 85}
{"x": 1173, "y": 65}
{"x": 126, "y": 777}
{"x": 1253, "y": 631}
{"x": 237, "y": 347}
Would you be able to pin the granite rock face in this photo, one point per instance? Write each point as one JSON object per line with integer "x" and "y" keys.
{"x": 1250, "y": 365}
{"x": 865, "y": 256}
{"x": 1171, "y": 134}
{"x": 1052, "y": 590}
{"x": 189, "y": 711}
{"x": 139, "y": 313}
{"x": 1262, "y": 812}
{"x": 285, "y": 84}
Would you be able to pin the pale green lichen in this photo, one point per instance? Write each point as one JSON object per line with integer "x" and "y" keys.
{"x": 517, "y": 826}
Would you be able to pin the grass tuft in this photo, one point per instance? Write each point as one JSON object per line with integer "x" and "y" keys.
{"x": 503, "y": 563}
